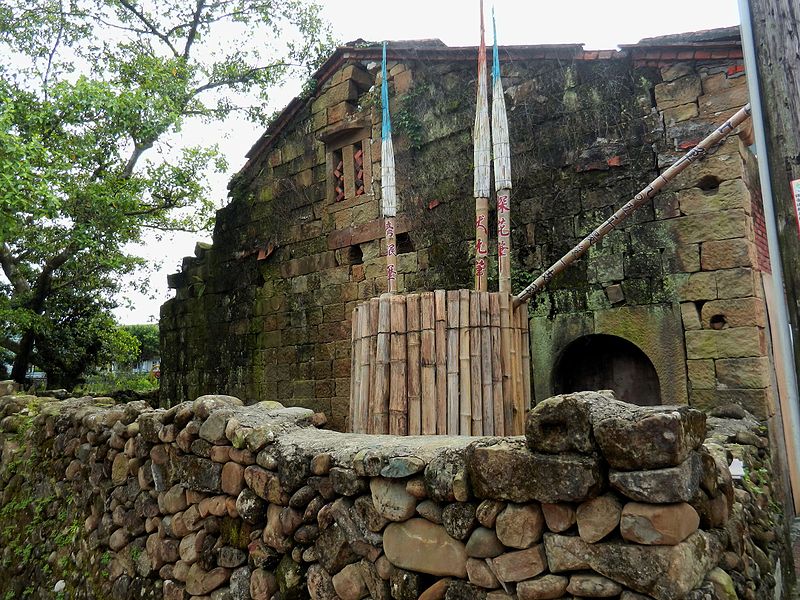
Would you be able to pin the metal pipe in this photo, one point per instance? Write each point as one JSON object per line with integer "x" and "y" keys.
{"x": 781, "y": 315}
{"x": 644, "y": 196}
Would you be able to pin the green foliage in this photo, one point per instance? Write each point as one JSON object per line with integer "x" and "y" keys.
{"x": 147, "y": 337}
{"x": 104, "y": 383}
{"x": 91, "y": 94}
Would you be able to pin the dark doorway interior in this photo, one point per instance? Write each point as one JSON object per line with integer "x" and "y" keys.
{"x": 607, "y": 362}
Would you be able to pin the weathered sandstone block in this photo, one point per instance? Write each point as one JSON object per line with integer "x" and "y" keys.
{"x": 419, "y": 545}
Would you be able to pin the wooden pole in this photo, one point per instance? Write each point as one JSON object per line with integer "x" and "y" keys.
{"x": 482, "y": 168}
{"x": 508, "y": 367}
{"x": 487, "y": 398}
{"x": 364, "y": 328}
{"x": 374, "y": 312}
{"x": 398, "y": 396}
{"x": 428, "y": 362}
{"x": 440, "y": 302}
{"x": 414, "y": 374}
{"x": 382, "y": 362}
{"x": 465, "y": 388}
{"x": 516, "y": 360}
{"x": 355, "y": 372}
{"x": 501, "y": 149}
{"x": 644, "y": 196}
{"x": 481, "y": 243}
{"x": 526, "y": 357}
{"x": 475, "y": 363}
{"x": 497, "y": 364}
{"x": 453, "y": 361}
{"x": 391, "y": 255}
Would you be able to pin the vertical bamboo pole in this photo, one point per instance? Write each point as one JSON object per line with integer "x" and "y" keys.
{"x": 506, "y": 341}
{"x": 355, "y": 372}
{"x": 475, "y": 364}
{"x": 516, "y": 361}
{"x": 374, "y": 312}
{"x": 428, "y": 362}
{"x": 486, "y": 366}
{"x": 440, "y": 308}
{"x": 464, "y": 375}
{"x": 398, "y": 397}
{"x": 526, "y": 356}
{"x": 453, "y": 362}
{"x": 413, "y": 365}
{"x": 482, "y": 168}
{"x": 497, "y": 364}
{"x": 388, "y": 183}
{"x": 481, "y": 243}
{"x": 502, "y": 170}
{"x": 365, "y": 326}
{"x": 391, "y": 255}
{"x": 382, "y": 362}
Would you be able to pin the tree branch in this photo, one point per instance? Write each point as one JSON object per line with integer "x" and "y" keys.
{"x": 54, "y": 48}
{"x": 240, "y": 79}
{"x": 138, "y": 150}
{"x": 193, "y": 30}
{"x": 151, "y": 27}
{"x": 9, "y": 344}
{"x": 11, "y": 270}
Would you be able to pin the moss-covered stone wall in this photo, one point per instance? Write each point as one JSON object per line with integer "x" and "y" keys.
{"x": 266, "y": 311}
{"x": 213, "y": 499}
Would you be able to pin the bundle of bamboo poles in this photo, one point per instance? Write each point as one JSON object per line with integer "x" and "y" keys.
{"x": 445, "y": 362}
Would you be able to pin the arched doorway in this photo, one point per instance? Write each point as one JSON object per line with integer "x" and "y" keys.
{"x": 608, "y": 362}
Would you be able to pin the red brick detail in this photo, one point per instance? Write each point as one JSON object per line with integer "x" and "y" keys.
{"x": 685, "y": 55}
{"x": 735, "y": 69}
{"x": 736, "y": 54}
{"x": 760, "y": 233}
{"x": 720, "y": 54}
{"x": 605, "y": 54}
{"x": 669, "y": 54}
{"x": 591, "y": 55}
{"x": 702, "y": 54}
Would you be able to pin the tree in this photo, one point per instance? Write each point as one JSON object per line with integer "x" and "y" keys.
{"x": 147, "y": 337}
{"x": 92, "y": 92}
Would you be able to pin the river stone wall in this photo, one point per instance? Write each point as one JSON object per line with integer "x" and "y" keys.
{"x": 214, "y": 500}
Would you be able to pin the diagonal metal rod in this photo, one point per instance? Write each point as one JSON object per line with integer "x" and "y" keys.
{"x": 697, "y": 153}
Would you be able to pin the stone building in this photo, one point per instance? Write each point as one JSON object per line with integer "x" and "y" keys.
{"x": 668, "y": 309}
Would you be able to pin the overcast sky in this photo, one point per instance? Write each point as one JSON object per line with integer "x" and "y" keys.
{"x": 596, "y": 24}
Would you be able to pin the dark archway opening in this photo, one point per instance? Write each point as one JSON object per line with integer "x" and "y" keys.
{"x": 607, "y": 362}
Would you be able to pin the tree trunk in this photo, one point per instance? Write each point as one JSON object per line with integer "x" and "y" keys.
{"x": 776, "y": 29}
{"x": 23, "y": 358}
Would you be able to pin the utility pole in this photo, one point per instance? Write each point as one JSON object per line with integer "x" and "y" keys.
{"x": 776, "y": 33}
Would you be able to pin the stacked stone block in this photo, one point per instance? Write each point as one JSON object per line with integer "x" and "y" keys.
{"x": 212, "y": 499}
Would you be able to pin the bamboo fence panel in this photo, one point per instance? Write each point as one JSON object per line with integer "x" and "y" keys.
{"x": 440, "y": 308}
{"x": 428, "y": 363}
{"x": 374, "y": 312}
{"x": 475, "y": 366}
{"x": 464, "y": 373}
{"x": 355, "y": 371}
{"x": 454, "y": 363}
{"x": 486, "y": 365}
{"x": 414, "y": 374}
{"x": 380, "y": 422}
{"x": 398, "y": 391}
{"x": 453, "y": 314}
{"x": 497, "y": 365}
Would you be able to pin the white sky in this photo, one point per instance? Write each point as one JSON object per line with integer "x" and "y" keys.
{"x": 597, "y": 24}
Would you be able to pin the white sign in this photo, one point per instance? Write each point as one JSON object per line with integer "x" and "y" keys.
{"x": 796, "y": 193}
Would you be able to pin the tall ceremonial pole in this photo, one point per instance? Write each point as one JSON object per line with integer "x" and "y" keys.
{"x": 482, "y": 158}
{"x": 502, "y": 170}
{"x": 388, "y": 186}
